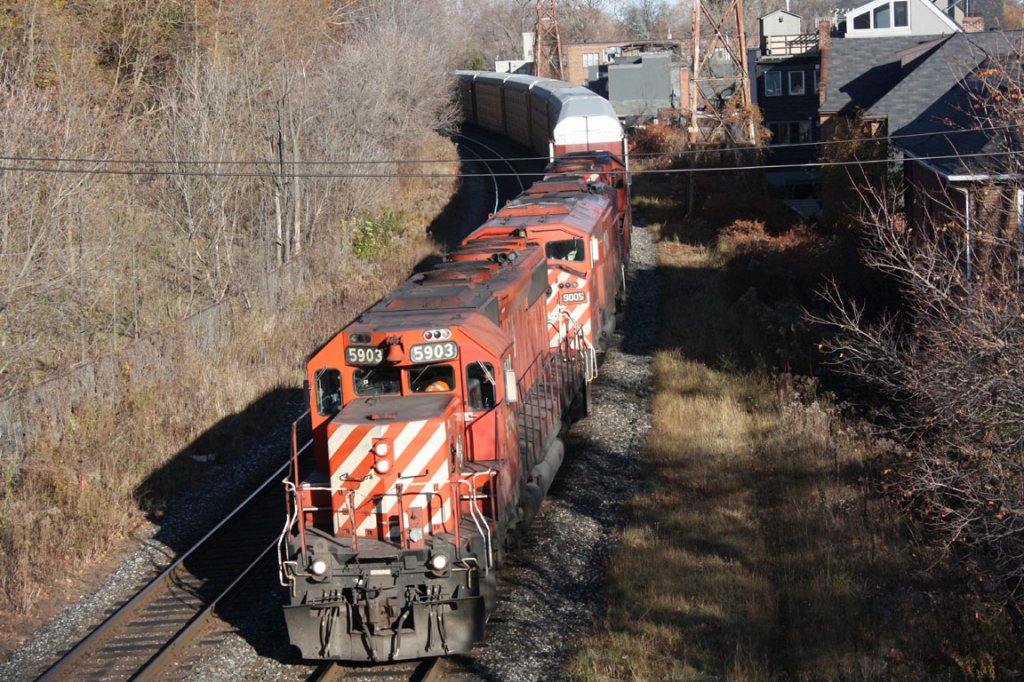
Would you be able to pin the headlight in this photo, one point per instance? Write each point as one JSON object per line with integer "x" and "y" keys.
{"x": 318, "y": 567}
{"x": 380, "y": 449}
{"x": 439, "y": 562}
{"x": 383, "y": 466}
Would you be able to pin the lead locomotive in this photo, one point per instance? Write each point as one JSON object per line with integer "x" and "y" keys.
{"x": 436, "y": 414}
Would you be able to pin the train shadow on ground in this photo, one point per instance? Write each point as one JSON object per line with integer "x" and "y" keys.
{"x": 207, "y": 479}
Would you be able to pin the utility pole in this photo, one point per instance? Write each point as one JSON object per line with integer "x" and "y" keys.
{"x": 720, "y": 103}
{"x": 548, "y": 54}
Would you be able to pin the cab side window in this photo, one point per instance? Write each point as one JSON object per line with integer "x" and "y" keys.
{"x": 328, "y": 391}
{"x": 480, "y": 392}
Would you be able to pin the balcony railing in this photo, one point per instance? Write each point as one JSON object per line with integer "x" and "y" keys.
{"x": 785, "y": 46}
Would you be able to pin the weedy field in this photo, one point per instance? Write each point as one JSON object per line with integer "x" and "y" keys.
{"x": 763, "y": 546}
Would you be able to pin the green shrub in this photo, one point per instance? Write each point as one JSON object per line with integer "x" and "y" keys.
{"x": 373, "y": 231}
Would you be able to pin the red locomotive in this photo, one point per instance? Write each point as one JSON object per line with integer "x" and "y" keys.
{"x": 436, "y": 413}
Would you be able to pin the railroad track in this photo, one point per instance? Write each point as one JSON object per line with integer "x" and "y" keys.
{"x": 426, "y": 670}
{"x": 513, "y": 178}
{"x": 150, "y": 636}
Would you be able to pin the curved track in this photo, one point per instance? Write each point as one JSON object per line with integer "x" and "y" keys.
{"x": 465, "y": 147}
{"x": 153, "y": 631}
{"x": 512, "y": 180}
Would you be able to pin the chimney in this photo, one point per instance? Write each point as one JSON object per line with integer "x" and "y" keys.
{"x": 824, "y": 48}
{"x": 684, "y": 91}
{"x": 974, "y": 24}
{"x": 529, "y": 40}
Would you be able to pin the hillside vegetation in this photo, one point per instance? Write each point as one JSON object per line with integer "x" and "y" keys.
{"x": 166, "y": 157}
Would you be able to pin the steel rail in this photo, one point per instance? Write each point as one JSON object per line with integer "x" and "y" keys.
{"x": 94, "y": 641}
{"x": 515, "y": 171}
{"x": 487, "y": 165}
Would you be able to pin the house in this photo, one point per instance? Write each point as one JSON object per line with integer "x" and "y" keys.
{"x": 581, "y": 61}
{"x": 784, "y": 85}
{"x": 926, "y": 93}
{"x": 642, "y": 87}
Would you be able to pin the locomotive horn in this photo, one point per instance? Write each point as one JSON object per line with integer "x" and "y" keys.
{"x": 395, "y": 351}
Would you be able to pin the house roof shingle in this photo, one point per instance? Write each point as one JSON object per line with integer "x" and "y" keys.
{"x": 920, "y": 86}
{"x": 936, "y": 99}
{"x": 862, "y": 70}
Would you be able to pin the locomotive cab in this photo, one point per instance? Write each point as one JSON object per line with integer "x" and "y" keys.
{"x": 395, "y": 546}
{"x": 573, "y": 221}
{"x": 420, "y": 460}
{"x": 604, "y": 167}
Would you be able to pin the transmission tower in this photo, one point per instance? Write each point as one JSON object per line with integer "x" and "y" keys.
{"x": 720, "y": 106}
{"x": 548, "y": 54}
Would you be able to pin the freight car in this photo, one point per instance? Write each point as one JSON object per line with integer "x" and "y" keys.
{"x": 548, "y": 116}
{"x": 436, "y": 414}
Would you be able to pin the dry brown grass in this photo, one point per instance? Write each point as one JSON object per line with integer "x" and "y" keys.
{"x": 761, "y": 547}
{"x": 123, "y": 455}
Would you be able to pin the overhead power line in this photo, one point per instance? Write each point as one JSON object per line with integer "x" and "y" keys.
{"x": 383, "y": 162}
{"x": 667, "y": 171}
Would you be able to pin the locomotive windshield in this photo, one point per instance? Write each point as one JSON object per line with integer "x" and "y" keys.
{"x": 565, "y": 249}
{"x": 431, "y": 378}
{"x": 377, "y": 381}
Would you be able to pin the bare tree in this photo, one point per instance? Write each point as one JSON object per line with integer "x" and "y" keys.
{"x": 948, "y": 359}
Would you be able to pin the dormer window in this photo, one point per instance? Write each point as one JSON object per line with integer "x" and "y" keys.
{"x": 900, "y": 16}
{"x": 883, "y": 15}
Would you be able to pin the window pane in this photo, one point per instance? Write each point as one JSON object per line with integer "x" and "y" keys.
{"x": 882, "y": 16}
{"x": 480, "y": 385}
{"x": 778, "y": 133}
{"x": 804, "y": 131}
{"x": 566, "y": 249}
{"x": 773, "y": 84}
{"x": 328, "y": 391}
{"x": 899, "y": 13}
{"x": 377, "y": 381}
{"x": 431, "y": 378}
{"x": 862, "y": 21}
{"x": 796, "y": 82}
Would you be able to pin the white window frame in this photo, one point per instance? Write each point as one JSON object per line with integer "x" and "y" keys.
{"x": 905, "y": 3}
{"x": 777, "y": 77}
{"x": 591, "y": 59}
{"x": 870, "y": 9}
{"x": 802, "y": 89}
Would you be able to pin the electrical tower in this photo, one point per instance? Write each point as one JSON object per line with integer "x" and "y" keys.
{"x": 720, "y": 105}
{"x": 548, "y": 54}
